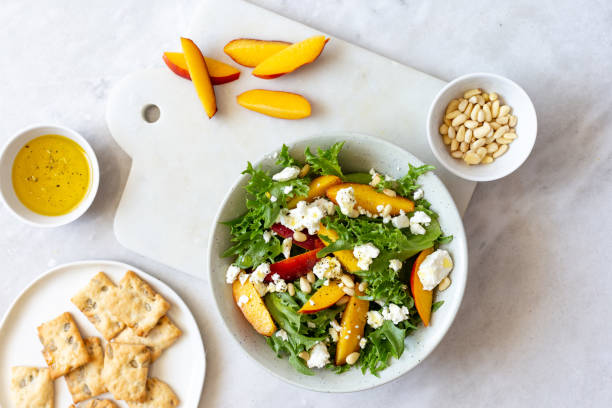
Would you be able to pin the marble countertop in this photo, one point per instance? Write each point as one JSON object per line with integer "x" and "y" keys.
{"x": 533, "y": 328}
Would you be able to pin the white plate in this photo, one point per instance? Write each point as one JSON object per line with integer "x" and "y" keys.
{"x": 182, "y": 365}
{"x": 360, "y": 153}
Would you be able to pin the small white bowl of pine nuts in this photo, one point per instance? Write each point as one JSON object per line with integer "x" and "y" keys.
{"x": 481, "y": 126}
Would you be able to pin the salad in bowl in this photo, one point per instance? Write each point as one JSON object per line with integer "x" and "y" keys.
{"x": 336, "y": 268}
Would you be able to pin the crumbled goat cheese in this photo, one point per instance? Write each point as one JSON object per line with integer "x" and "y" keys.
{"x": 286, "y": 246}
{"x": 333, "y": 323}
{"x": 375, "y": 319}
{"x": 286, "y": 174}
{"x": 306, "y": 215}
{"x": 364, "y": 254}
{"x": 232, "y": 273}
{"x": 401, "y": 221}
{"x": 395, "y": 313}
{"x": 243, "y": 277}
{"x": 418, "y": 219}
{"x": 418, "y": 194}
{"x": 242, "y": 300}
{"x": 327, "y": 268}
{"x": 279, "y": 284}
{"x": 346, "y": 201}
{"x": 282, "y": 334}
{"x": 395, "y": 264}
{"x": 266, "y": 236}
{"x": 287, "y": 189}
{"x": 434, "y": 268}
{"x": 363, "y": 342}
{"x": 273, "y": 199}
{"x": 260, "y": 272}
{"x": 261, "y": 288}
{"x": 319, "y": 356}
{"x": 312, "y": 325}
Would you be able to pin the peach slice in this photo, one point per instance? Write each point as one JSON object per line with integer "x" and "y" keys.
{"x": 255, "y": 310}
{"x": 353, "y": 323}
{"x": 369, "y": 199}
{"x": 323, "y": 298}
{"x": 198, "y": 71}
{"x": 423, "y": 299}
{"x": 250, "y": 52}
{"x": 317, "y": 188}
{"x": 220, "y": 72}
{"x": 284, "y": 105}
{"x": 291, "y": 58}
{"x": 345, "y": 256}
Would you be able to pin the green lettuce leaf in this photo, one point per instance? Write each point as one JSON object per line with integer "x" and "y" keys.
{"x": 325, "y": 162}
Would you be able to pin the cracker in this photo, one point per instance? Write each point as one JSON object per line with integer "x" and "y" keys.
{"x": 99, "y": 404}
{"x": 86, "y": 381}
{"x": 136, "y": 304}
{"x": 159, "y": 338}
{"x": 91, "y": 300}
{"x": 64, "y": 349}
{"x": 31, "y": 387}
{"x": 125, "y": 370}
{"x": 159, "y": 395}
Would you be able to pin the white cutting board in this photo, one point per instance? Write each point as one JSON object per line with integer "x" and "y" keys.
{"x": 184, "y": 163}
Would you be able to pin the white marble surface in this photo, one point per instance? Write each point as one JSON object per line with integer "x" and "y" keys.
{"x": 533, "y": 328}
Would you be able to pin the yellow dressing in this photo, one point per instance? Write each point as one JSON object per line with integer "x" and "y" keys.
{"x": 51, "y": 175}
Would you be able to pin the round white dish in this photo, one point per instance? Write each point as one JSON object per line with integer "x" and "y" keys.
{"x": 182, "y": 366}
{"x": 511, "y": 94}
{"x": 360, "y": 153}
{"x": 7, "y": 192}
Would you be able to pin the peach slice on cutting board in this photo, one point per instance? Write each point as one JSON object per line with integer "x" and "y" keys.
{"x": 423, "y": 299}
{"x": 369, "y": 199}
{"x": 254, "y": 310}
{"x": 323, "y": 298}
{"x": 284, "y": 105}
{"x": 250, "y": 52}
{"x": 198, "y": 71}
{"x": 353, "y": 323}
{"x": 291, "y": 58}
{"x": 219, "y": 72}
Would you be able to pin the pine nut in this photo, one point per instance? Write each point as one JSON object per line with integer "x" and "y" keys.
{"x": 457, "y": 155}
{"x": 447, "y": 122}
{"x": 352, "y": 358}
{"x": 495, "y": 108}
{"x": 389, "y": 192}
{"x": 473, "y": 100}
{"x": 363, "y": 286}
{"x": 459, "y": 120}
{"x": 452, "y": 132}
{"x": 481, "y": 116}
{"x": 347, "y": 280}
{"x": 494, "y": 125}
{"x": 471, "y": 124}
{"x": 492, "y": 148}
{"x": 304, "y": 355}
{"x": 443, "y": 129}
{"x": 471, "y": 158}
{"x": 478, "y": 143}
{"x": 504, "y": 110}
{"x": 502, "y": 119}
{"x": 482, "y": 131}
{"x": 445, "y": 138}
{"x": 311, "y": 277}
{"x": 348, "y": 291}
{"x": 452, "y": 115}
{"x": 512, "y": 121}
{"x": 474, "y": 114}
{"x": 481, "y": 100}
{"x": 305, "y": 285}
{"x": 493, "y": 96}
{"x": 461, "y": 133}
{"x": 468, "y": 136}
{"x": 481, "y": 152}
{"x": 343, "y": 301}
{"x": 468, "y": 110}
{"x": 487, "y": 160}
{"x": 291, "y": 289}
{"x": 452, "y": 106}
{"x": 464, "y": 147}
{"x": 462, "y": 105}
{"x": 502, "y": 150}
{"x": 442, "y": 286}
{"x": 299, "y": 236}
{"x": 304, "y": 171}
{"x": 487, "y": 112}
{"x": 472, "y": 92}
{"x": 510, "y": 135}
{"x": 486, "y": 97}
{"x": 501, "y": 131}
{"x": 503, "y": 141}
{"x": 454, "y": 145}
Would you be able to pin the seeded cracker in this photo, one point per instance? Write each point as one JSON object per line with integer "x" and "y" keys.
{"x": 86, "y": 381}
{"x": 92, "y": 301}
{"x": 159, "y": 338}
{"x": 136, "y": 304}
{"x": 64, "y": 349}
{"x": 159, "y": 395}
{"x": 125, "y": 371}
{"x": 31, "y": 387}
{"x": 99, "y": 404}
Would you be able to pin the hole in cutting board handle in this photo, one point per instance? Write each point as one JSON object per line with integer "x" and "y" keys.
{"x": 151, "y": 113}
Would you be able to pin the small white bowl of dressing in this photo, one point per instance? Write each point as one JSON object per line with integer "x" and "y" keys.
{"x": 49, "y": 175}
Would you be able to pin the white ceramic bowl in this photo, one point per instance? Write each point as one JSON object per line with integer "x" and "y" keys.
{"x": 511, "y": 94}
{"x": 360, "y": 153}
{"x": 7, "y": 192}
